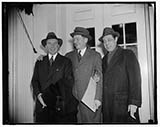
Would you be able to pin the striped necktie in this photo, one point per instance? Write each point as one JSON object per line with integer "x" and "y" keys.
{"x": 79, "y": 56}
{"x": 51, "y": 61}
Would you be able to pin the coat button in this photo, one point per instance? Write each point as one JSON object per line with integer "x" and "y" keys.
{"x": 76, "y": 69}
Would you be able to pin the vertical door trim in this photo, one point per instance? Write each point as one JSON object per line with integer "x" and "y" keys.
{"x": 149, "y": 58}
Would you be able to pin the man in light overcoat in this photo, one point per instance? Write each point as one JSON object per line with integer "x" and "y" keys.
{"x": 85, "y": 63}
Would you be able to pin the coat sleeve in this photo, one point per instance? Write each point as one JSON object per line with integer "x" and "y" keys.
{"x": 35, "y": 81}
{"x": 68, "y": 74}
{"x": 134, "y": 78}
{"x": 98, "y": 67}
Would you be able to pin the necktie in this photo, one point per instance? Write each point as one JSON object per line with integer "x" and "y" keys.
{"x": 51, "y": 61}
{"x": 79, "y": 55}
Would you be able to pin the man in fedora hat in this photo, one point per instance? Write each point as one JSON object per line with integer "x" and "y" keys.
{"x": 52, "y": 84}
{"x": 85, "y": 63}
{"x": 121, "y": 81}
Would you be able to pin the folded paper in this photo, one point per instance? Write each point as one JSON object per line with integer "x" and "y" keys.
{"x": 89, "y": 95}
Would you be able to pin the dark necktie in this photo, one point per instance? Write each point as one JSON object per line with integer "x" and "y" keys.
{"x": 51, "y": 61}
{"x": 79, "y": 56}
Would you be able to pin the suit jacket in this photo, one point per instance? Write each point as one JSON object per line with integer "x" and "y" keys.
{"x": 83, "y": 70}
{"x": 121, "y": 85}
{"x": 53, "y": 81}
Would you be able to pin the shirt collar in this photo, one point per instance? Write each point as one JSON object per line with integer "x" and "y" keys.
{"x": 82, "y": 51}
{"x": 112, "y": 52}
{"x": 54, "y": 56}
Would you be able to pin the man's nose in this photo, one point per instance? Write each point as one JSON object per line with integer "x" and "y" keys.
{"x": 106, "y": 42}
{"x": 74, "y": 41}
{"x": 52, "y": 46}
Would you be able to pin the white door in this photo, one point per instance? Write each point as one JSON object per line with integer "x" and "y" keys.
{"x": 84, "y": 15}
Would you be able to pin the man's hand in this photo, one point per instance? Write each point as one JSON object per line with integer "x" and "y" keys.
{"x": 41, "y": 100}
{"x": 40, "y": 58}
{"x": 96, "y": 78}
{"x": 43, "y": 48}
{"x": 132, "y": 109}
{"x": 97, "y": 103}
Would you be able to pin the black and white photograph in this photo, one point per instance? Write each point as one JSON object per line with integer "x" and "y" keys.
{"x": 79, "y": 63}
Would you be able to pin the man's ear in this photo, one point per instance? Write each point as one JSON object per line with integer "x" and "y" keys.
{"x": 85, "y": 39}
{"x": 59, "y": 47}
{"x": 116, "y": 39}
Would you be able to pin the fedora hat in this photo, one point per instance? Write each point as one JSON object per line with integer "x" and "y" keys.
{"x": 81, "y": 31}
{"x": 51, "y": 35}
{"x": 108, "y": 31}
{"x": 43, "y": 42}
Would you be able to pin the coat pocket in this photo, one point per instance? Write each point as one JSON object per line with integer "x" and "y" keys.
{"x": 121, "y": 103}
{"x": 121, "y": 97}
{"x": 60, "y": 106}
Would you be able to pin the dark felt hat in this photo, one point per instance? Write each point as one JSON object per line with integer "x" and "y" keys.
{"x": 81, "y": 31}
{"x": 108, "y": 31}
{"x": 51, "y": 35}
{"x": 43, "y": 42}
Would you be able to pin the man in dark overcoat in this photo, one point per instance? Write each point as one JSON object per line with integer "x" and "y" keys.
{"x": 121, "y": 81}
{"x": 52, "y": 84}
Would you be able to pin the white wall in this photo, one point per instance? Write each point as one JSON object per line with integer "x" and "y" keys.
{"x": 22, "y": 58}
{"x": 20, "y": 68}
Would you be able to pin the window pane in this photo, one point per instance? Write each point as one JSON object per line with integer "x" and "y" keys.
{"x": 91, "y": 43}
{"x": 119, "y": 28}
{"x": 131, "y": 33}
{"x": 134, "y": 49}
{"x": 122, "y": 46}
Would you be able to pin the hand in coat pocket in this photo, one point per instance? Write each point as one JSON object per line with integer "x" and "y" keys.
{"x": 49, "y": 97}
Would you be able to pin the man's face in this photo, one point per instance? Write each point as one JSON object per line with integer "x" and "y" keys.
{"x": 52, "y": 46}
{"x": 110, "y": 42}
{"x": 79, "y": 42}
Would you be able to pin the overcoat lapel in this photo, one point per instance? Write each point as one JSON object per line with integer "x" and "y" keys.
{"x": 46, "y": 65}
{"x": 76, "y": 58}
{"x": 85, "y": 56}
{"x": 55, "y": 66}
{"x": 52, "y": 71}
{"x": 83, "y": 59}
{"x": 114, "y": 59}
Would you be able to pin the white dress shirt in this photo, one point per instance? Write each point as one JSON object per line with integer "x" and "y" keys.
{"x": 54, "y": 56}
{"x": 82, "y": 51}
